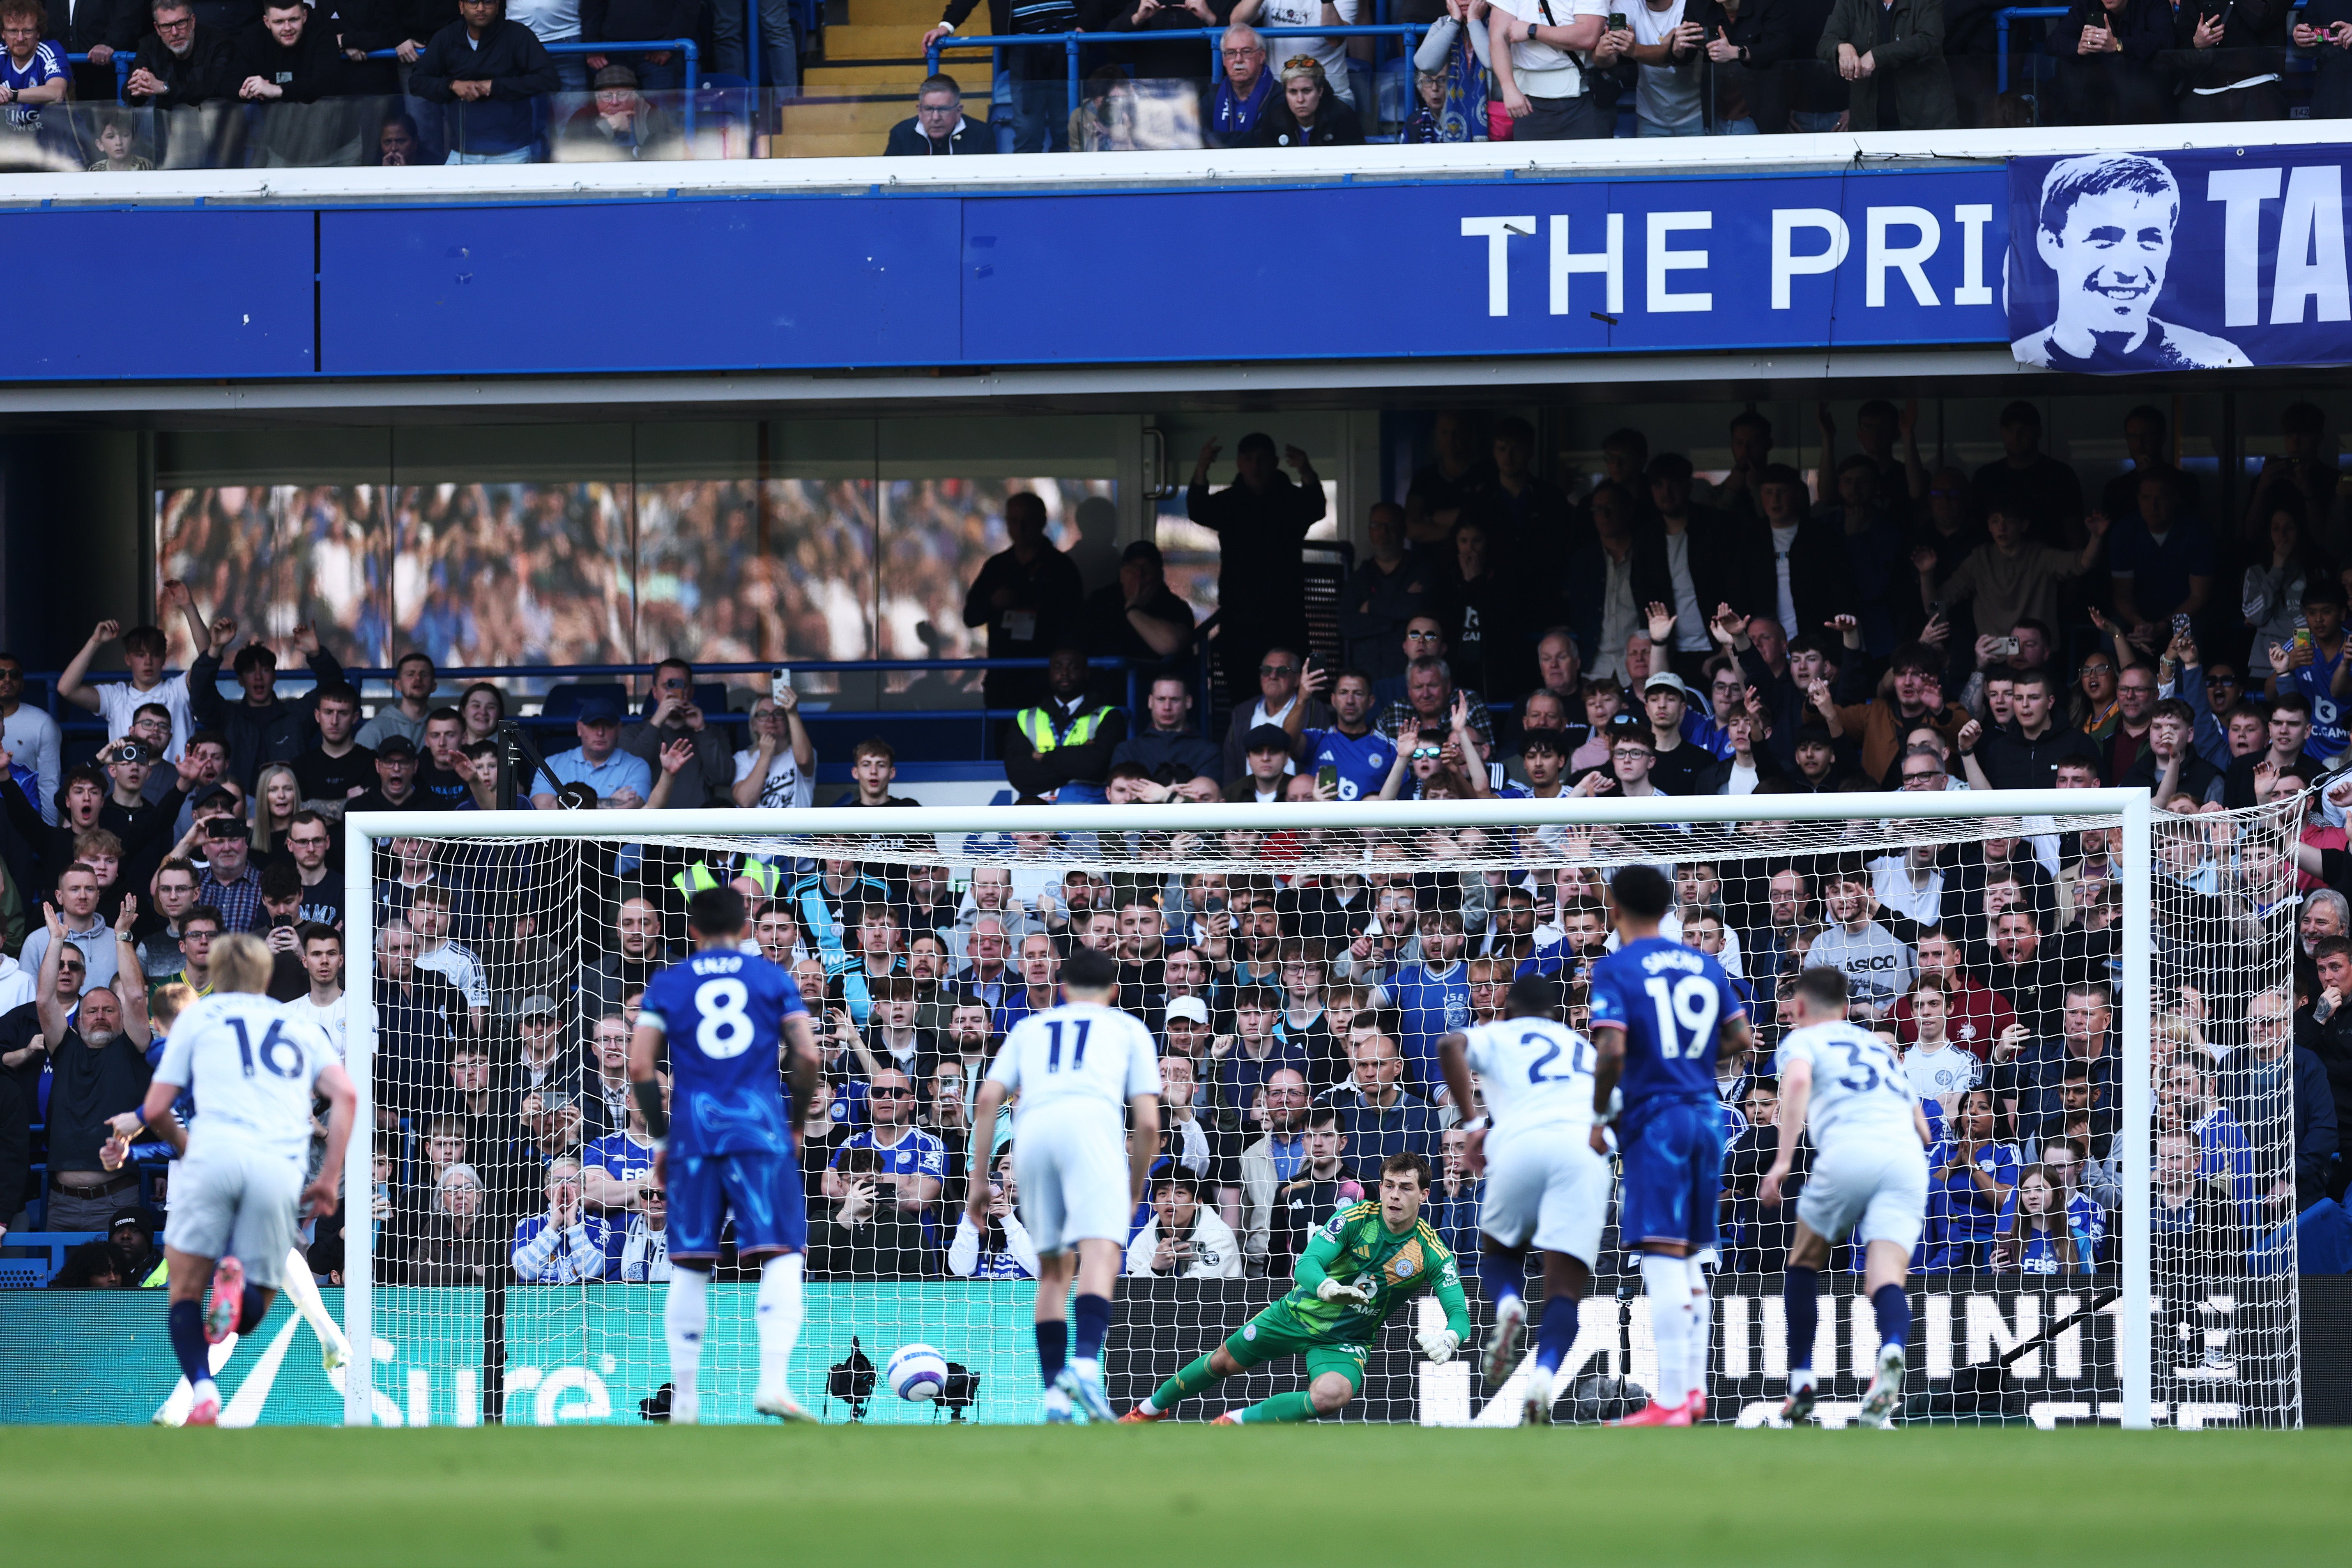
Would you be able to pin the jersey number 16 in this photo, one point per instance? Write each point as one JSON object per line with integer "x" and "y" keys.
{"x": 279, "y": 1056}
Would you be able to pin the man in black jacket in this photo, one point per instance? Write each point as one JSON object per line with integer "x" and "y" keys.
{"x": 1040, "y": 115}
{"x": 100, "y": 29}
{"x": 283, "y": 59}
{"x": 940, "y": 129}
{"x": 264, "y": 728}
{"x": 181, "y": 63}
{"x": 660, "y": 70}
{"x": 490, "y": 68}
{"x": 1261, "y": 522}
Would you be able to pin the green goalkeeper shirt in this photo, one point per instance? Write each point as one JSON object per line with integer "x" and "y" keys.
{"x": 1356, "y": 1247}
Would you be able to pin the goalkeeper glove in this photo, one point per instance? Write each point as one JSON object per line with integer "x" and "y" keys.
{"x": 1438, "y": 1344}
{"x": 1333, "y": 1290}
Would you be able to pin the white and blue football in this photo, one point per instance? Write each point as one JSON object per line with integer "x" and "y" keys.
{"x": 916, "y": 1372}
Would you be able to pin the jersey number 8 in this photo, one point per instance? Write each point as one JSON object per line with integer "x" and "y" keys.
{"x": 1691, "y": 1003}
{"x": 726, "y": 1028}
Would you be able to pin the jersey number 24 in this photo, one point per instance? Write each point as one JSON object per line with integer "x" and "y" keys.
{"x": 1686, "y": 1010}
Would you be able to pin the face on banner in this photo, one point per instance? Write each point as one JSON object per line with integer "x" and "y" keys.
{"x": 2121, "y": 262}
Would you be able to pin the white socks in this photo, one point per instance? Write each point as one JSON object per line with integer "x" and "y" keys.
{"x": 685, "y": 1315}
{"x": 1666, "y": 1282}
{"x": 1702, "y": 1303}
{"x": 781, "y": 1312}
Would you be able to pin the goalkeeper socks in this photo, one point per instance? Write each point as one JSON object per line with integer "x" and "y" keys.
{"x": 685, "y": 1315}
{"x": 1281, "y": 1407}
{"x": 1503, "y": 1276}
{"x": 779, "y": 1315}
{"x": 1557, "y": 1335}
{"x": 1893, "y": 1315}
{"x": 187, "y": 1324}
{"x": 250, "y": 1308}
{"x": 1195, "y": 1377}
{"x": 1666, "y": 1281}
{"x": 1053, "y": 1348}
{"x": 1090, "y": 1326}
{"x": 1800, "y": 1290}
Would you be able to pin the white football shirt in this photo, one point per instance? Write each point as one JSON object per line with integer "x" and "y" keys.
{"x": 1534, "y": 1071}
{"x": 1079, "y": 1052}
{"x": 1861, "y": 1092}
{"x": 252, "y": 1066}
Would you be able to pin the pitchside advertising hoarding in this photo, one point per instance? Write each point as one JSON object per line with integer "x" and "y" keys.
{"x": 594, "y": 1353}
{"x": 2108, "y": 263}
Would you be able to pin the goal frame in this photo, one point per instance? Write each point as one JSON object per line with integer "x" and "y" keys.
{"x": 363, "y": 830}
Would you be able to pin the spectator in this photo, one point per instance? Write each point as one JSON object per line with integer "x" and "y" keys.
{"x": 2303, "y": 478}
{"x": 637, "y": 954}
{"x": 2231, "y": 61}
{"x": 1666, "y": 51}
{"x": 1280, "y": 703}
{"x": 1534, "y": 54}
{"x": 30, "y": 736}
{"x": 1358, "y": 755}
{"x": 1697, "y": 541}
{"x": 1610, "y": 578}
{"x": 1678, "y": 767}
{"x": 1377, "y": 1113}
{"x": 620, "y": 124}
{"x": 1323, "y": 1183}
{"x": 1878, "y": 966}
{"x": 1974, "y": 1017}
{"x": 1939, "y": 1067}
{"x": 1444, "y": 489}
{"x": 865, "y": 1235}
{"x": 1137, "y": 618}
{"x": 1381, "y": 595}
{"x": 1036, "y": 75}
{"x": 1029, "y": 595}
{"x": 912, "y": 1164}
{"x": 490, "y": 67}
{"x": 2162, "y": 561}
{"x": 1260, "y": 521}
{"x": 2323, "y": 1027}
{"x": 1275, "y": 1157}
{"x": 133, "y": 1230}
{"x": 664, "y": 70}
{"x": 2037, "y": 1235}
{"x": 2043, "y": 490}
{"x": 118, "y": 702}
{"x": 1803, "y": 559}
{"x": 1312, "y": 111}
{"x": 1246, "y": 89}
{"x": 778, "y": 769}
{"x": 2286, "y": 731}
{"x": 939, "y": 129}
{"x": 1973, "y": 1171}
{"x": 1007, "y": 1251}
{"x": 180, "y": 65}
{"x": 566, "y": 1245}
{"x": 2027, "y": 753}
{"x": 2107, "y": 68}
{"x": 285, "y": 60}
{"x": 620, "y": 780}
{"x": 264, "y": 728}
{"x": 873, "y": 768}
{"x": 98, "y": 1068}
{"x": 395, "y": 788}
{"x": 1183, "y": 1238}
{"x": 2279, "y": 572}
{"x": 331, "y": 773}
{"x": 1881, "y": 726}
{"x": 1891, "y": 59}
{"x": 674, "y": 719}
{"x": 1751, "y": 453}
{"x": 412, "y": 680}
{"x": 1257, "y": 1052}
{"x": 1433, "y": 700}
{"x": 454, "y": 1246}
{"x": 1266, "y": 757}
{"x": 230, "y": 883}
{"x": 1170, "y": 750}
{"x": 1063, "y": 746}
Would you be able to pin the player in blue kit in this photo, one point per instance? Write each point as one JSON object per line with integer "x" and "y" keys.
{"x": 1659, "y": 1009}
{"x": 728, "y": 1017}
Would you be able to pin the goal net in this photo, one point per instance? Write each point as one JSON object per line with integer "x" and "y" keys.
{"x": 2087, "y": 995}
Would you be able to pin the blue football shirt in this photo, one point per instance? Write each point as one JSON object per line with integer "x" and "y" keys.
{"x": 1670, "y": 1000}
{"x": 724, "y": 1013}
{"x": 1362, "y": 761}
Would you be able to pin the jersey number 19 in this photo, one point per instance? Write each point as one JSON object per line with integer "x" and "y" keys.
{"x": 1689, "y": 1002}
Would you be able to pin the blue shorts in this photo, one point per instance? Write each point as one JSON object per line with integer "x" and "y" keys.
{"x": 1674, "y": 1174}
{"x": 761, "y": 1189}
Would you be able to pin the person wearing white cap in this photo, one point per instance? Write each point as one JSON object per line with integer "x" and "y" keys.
{"x": 1682, "y": 766}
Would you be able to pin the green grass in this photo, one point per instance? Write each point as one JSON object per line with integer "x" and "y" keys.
{"x": 1191, "y": 1495}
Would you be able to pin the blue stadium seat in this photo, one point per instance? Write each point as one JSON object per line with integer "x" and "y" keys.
{"x": 24, "y": 1274}
{"x": 55, "y": 1243}
{"x": 566, "y": 698}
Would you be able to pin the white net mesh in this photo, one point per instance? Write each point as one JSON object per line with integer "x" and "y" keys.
{"x": 1992, "y": 947}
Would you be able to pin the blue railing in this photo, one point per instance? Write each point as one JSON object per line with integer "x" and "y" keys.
{"x": 1072, "y": 43}
{"x": 686, "y": 46}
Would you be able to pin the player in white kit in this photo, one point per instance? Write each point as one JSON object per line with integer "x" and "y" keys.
{"x": 1869, "y": 1178}
{"x": 1079, "y": 1069}
{"x": 239, "y": 1195}
{"x": 1544, "y": 1180}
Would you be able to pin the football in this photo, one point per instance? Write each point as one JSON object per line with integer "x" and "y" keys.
{"x": 916, "y": 1372}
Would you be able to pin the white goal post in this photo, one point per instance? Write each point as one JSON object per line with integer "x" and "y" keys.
{"x": 1515, "y": 835}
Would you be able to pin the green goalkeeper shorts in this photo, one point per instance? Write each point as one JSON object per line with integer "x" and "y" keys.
{"x": 1275, "y": 1334}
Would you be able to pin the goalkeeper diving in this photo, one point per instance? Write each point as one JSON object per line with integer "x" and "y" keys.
{"x": 1367, "y": 1260}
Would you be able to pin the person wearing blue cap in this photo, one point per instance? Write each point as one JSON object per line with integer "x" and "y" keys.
{"x": 620, "y": 781}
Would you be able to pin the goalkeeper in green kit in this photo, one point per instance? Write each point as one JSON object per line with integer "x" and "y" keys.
{"x": 1367, "y": 1260}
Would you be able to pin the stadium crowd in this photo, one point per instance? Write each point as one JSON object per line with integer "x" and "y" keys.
{"x": 266, "y": 82}
{"x": 1892, "y": 625}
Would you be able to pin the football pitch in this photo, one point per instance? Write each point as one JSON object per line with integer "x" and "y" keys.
{"x": 1173, "y": 1494}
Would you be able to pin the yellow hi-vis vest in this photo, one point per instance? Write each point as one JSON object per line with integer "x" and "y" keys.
{"x": 1036, "y": 727}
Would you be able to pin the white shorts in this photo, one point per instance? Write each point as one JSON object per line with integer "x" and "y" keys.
{"x": 1546, "y": 1181}
{"x": 1877, "y": 1190}
{"x": 230, "y": 1201}
{"x": 1070, "y": 1162}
